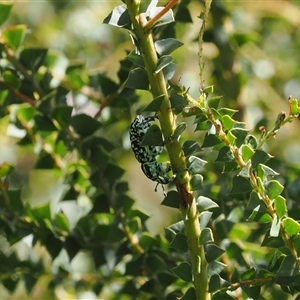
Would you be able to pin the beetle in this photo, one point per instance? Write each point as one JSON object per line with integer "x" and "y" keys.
{"x": 156, "y": 171}
{"x": 137, "y": 132}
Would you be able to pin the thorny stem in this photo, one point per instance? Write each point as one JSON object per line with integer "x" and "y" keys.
{"x": 142, "y": 30}
{"x": 253, "y": 179}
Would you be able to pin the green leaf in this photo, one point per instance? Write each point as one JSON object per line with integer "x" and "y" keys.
{"x": 275, "y": 227}
{"x": 210, "y": 140}
{"x": 195, "y": 164}
{"x": 147, "y": 5}
{"x": 11, "y": 78}
{"x": 146, "y": 241}
{"x": 291, "y": 226}
{"x": 179, "y": 130}
{"x": 260, "y": 157}
{"x": 43, "y": 123}
{"x": 288, "y": 267}
{"x": 209, "y": 89}
{"x": 62, "y": 114}
{"x": 215, "y": 268}
{"x": 183, "y": 271}
{"x": 280, "y": 206}
{"x": 206, "y": 236}
{"x": 205, "y": 217}
{"x": 240, "y": 185}
{"x": 165, "y": 19}
{"x": 169, "y": 71}
{"x": 214, "y": 102}
{"x": 273, "y": 188}
{"x": 247, "y": 152}
{"x": 251, "y": 141}
{"x": 196, "y": 182}
{"x": 217, "y": 284}
{"x": 267, "y": 171}
{"x": 183, "y": 15}
{"x": 14, "y": 35}
{"x": 212, "y": 252}
{"x": 245, "y": 171}
{"x": 240, "y": 135}
{"x": 4, "y": 12}
{"x": 137, "y": 79}
{"x": 272, "y": 242}
{"x": 178, "y": 102}
{"x": 167, "y": 46}
{"x": 294, "y": 107}
{"x": 136, "y": 59}
{"x": 155, "y": 263}
{"x": 119, "y": 17}
{"x": 155, "y": 104}
{"x": 108, "y": 86}
{"x": 204, "y": 203}
{"x": 248, "y": 275}
{"x": 190, "y": 147}
{"x": 42, "y": 212}
{"x": 227, "y": 111}
{"x": 176, "y": 228}
{"x": 192, "y": 111}
{"x": 180, "y": 243}
{"x": 172, "y": 200}
{"x": 225, "y": 154}
{"x": 227, "y": 122}
{"x": 163, "y": 62}
{"x": 153, "y": 136}
{"x": 189, "y": 294}
{"x": 84, "y": 125}
{"x": 166, "y": 277}
{"x": 33, "y": 58}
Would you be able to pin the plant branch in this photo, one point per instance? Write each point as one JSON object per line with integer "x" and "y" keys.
{"x": 203, "y": 16}
{"x": 153, "y": 21}
{"x": 11, "y": 56}
{"x": 19, "y": 95}
{"x": 187, "y": 201}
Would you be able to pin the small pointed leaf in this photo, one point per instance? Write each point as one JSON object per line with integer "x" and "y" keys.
{"x": 163, "y": 62}
{"x": 155, "y": 104}
{"x": 274, "y": 189}
{"x": 291, "y": 226}
{"x": 204, "y": 203}
{"x": 179, "y": 130}
{"x": 172, "y": 200}
{"x": 183, "y": 271}
{"x": 195, "y": 164}
{"x": 167, "y": 46}
{"x": 137, "y": 79}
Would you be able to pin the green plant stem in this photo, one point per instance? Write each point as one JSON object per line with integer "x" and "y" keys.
{"x": 204, "y": 17}
{"x": 5, "y": 196}
{"x": 252, "y": 177}
{"x": 198, "y": 261}
{"x": 19, "y": 95}
{"x": 167, "y": 121}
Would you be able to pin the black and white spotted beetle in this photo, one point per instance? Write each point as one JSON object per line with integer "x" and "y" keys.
{"x": 137, "y": 132}
{"x": 146, "y": 155}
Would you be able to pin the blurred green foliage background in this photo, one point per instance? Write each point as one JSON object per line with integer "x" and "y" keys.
{"x": 252, "y": 55}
